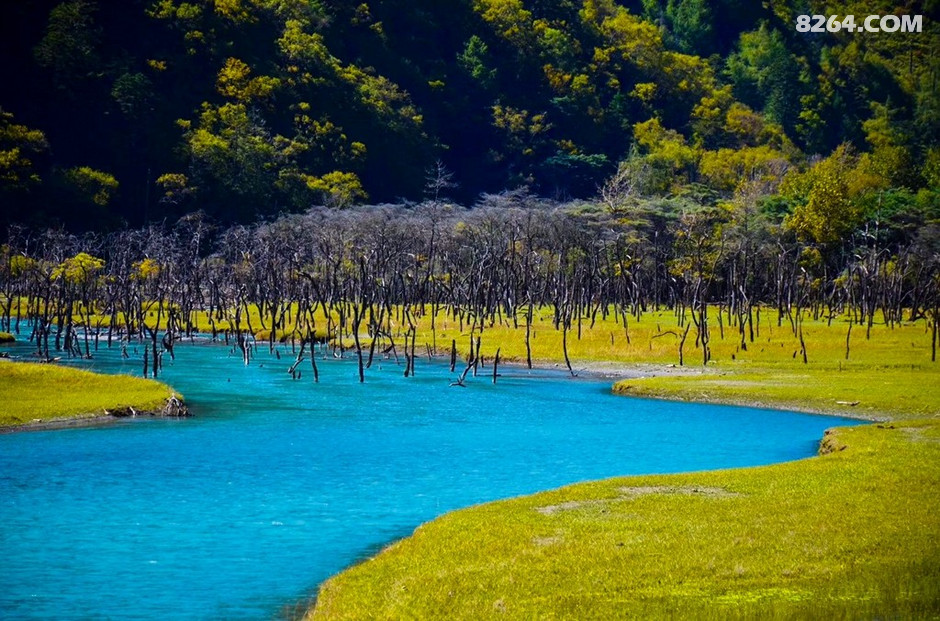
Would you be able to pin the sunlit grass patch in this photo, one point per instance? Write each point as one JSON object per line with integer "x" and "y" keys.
{"x": 31, "y": 392}
{"x": 861, "y": 391}
{"x": 855, "y": 533}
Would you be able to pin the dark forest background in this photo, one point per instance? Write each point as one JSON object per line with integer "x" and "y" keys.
{"x": 124, "y": 113}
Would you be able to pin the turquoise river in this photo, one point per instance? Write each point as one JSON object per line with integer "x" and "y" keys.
{"x": 277, "y": 483}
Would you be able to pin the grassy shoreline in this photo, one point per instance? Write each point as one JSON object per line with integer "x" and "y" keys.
{"x": 45, "y": 396}
{"x": 852, "y": 532}
{"x": 807, "y": 538}
{"x": 870, "y": 394}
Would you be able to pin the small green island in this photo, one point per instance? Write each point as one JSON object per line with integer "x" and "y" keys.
{"x": 47, "y": 396}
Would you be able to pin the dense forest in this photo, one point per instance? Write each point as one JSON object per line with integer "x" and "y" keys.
{"x": 128, "y": 113}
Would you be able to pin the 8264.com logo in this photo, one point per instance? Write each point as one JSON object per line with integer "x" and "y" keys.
{"x": 871, "y": 23}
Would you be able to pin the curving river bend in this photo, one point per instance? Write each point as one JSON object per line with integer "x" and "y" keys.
{"x": 277, "y": 484}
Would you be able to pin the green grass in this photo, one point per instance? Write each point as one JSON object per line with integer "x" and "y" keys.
{"x": 851, "y": 534}
{"x": 6, "y": 337}
{"x": 33, "y": 392}
{"x": 874, "y": 392}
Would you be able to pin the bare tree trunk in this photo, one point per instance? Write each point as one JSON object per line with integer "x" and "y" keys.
{"x": 688, "y": 327}
{"x": 802, "y": 343}
{"x": 564, "y": 347}
{"x": 476, "y": 356}
{"x": 463, "y": 376}
{"x": 933, "y": 346}
{"x": 313, "y": 363}
{"x": 357, "y": 322}
{"x": 848, "y": 337}
{"x": 300, "y": 358}
{"x": 528, "y": 331}
{"x": 414, "y": 337}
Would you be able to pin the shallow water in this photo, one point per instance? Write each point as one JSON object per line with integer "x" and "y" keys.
{"x": 276, "y": 484}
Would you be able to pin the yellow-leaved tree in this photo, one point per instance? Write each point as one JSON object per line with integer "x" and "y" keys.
{"x": 825, "y": 212}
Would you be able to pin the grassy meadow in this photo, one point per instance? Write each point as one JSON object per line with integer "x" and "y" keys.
{"x": 653, "y": 338}
{"x": 32, "y": 392}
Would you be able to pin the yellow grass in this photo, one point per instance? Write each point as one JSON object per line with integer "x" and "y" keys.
{"x": 31, "y": 392}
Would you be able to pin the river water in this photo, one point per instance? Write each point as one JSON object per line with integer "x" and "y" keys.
{"x": 276, "y": 484}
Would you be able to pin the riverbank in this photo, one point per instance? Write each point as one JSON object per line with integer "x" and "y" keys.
{"x": 872, "y": 392}
{"x": 851, "y": 533}
{"x": 46, "y": 396}
{"x": 867, "y": 392}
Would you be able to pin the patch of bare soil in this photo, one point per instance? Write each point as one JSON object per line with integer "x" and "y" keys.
{"x": 629, "y": 493}
{"x": 685, "y": 490}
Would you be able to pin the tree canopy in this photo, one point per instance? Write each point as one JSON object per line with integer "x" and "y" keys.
{"x": 138, "y": 111}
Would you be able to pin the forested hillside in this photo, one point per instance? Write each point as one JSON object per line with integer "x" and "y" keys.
{"x": 145, "y": 110}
